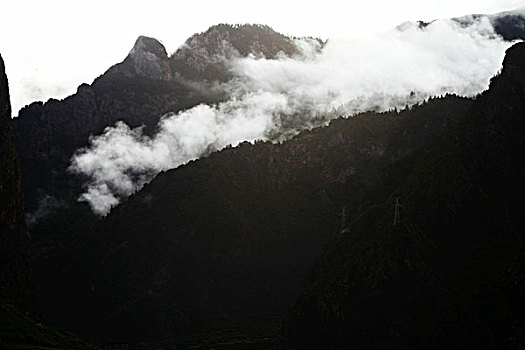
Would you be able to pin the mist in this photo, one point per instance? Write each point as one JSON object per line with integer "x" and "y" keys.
{"x": 276, "y": 99}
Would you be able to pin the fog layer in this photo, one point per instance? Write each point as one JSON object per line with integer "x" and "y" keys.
{"x": 275, "y": 99}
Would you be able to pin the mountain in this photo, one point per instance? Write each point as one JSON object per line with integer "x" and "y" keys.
{"x": 509, "y": 25}
{"x": 147, "y": 59}
{"x": 213, "y": 251}
{"x": 433, "y": 255}
{"x": 138, "y": 91}
{"x": 202, "y": 56}
{"x": 48, "y": 134}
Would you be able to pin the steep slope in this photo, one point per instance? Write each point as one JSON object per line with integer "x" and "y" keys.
{"x": 147, "y": 59}
{"x": 16, "y": 285}
{"x": 138, "y": 91}
{"x": 434, "y": 257}
{"x": 14, "y": 243}
{"x": 214, "y": 251}
{"x": 202, "y": 57}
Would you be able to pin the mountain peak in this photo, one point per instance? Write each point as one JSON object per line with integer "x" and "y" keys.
{"x": 145, "y": 44}
{"x": 243, "y": 38}
{"x": 148, "y": 58}
{"x": 202, "y": 54}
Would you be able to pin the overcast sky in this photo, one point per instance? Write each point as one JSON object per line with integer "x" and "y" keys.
{"x": 50, "y": 47}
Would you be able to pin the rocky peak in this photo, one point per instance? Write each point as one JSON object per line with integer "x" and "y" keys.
{"x": 145, "y": 45}
{"x": 202, "y": 53}
{"x": 243, "y": 39}
{"x": 148, "y": 58}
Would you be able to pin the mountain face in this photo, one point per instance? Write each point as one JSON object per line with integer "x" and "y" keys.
{"x": 202, "y": 56}
{"x": 14, "y": 243}
{"x": 48, "y": 134}
{"x": 509, "y": 25}
{"x": 147, "y": 59}
{"x": 214, "y": 251}
{"x": 138, "y": 91}
{"x": 433, "y": 256}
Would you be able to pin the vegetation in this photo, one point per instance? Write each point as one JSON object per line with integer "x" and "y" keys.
{"x": 449, "y": 274}
{"x": 213, "y": 252}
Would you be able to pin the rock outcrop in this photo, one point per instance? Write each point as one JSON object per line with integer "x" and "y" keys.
{"x": 202, "y": 57}
{"x": 14, "y": 245}
{"x": 148, "y": 58}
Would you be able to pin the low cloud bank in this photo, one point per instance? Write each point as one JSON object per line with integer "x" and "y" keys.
{"x": 275, "y": 99}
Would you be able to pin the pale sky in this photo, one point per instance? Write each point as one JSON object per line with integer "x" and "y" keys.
{"x": 51, "y": 47}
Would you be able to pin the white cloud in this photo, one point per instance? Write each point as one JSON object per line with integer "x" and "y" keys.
{"x": 281, "y": 97}
{"x": 56, "y": 45}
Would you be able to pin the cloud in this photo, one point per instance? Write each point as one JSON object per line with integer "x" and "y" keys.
{"x": 276, "y": 99}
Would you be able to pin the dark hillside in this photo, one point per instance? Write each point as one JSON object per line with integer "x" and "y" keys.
{"x": 146, "y": 85}
{"x": 214, "y": 251}
{"x": 447, "y": 270}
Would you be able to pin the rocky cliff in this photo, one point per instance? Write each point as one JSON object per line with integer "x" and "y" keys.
{"x": 14, "y": 247}
{"x": 202, "y": 57}
{"x": 147, "y": 59}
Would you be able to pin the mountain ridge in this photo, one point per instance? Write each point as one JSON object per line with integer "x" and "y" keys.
{"x": 136, "y": 91}
{"x": 432, "y": 257}
{"x": 230, "y": 225}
